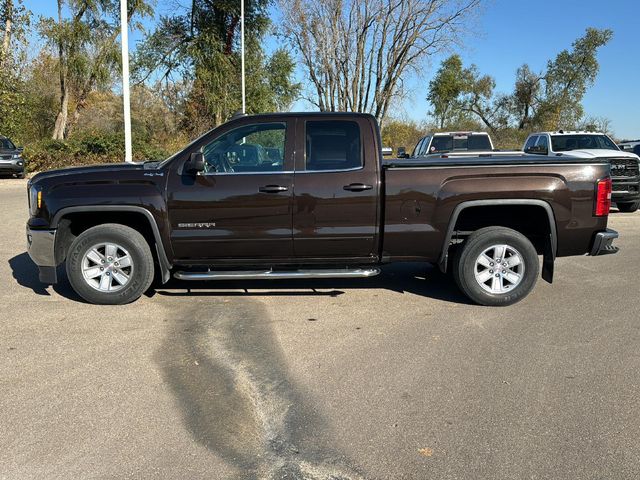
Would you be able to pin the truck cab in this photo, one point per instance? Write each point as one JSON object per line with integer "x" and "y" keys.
{"x": 625, "y": 170}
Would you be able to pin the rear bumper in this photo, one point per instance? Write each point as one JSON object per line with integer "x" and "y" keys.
{"x": 625, "y": 190}
{"x": 603, "y": 243}
{"x": 41, "y": 249}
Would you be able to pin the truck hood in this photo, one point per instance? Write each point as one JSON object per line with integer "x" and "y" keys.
{"x": 598, "y": 153}
{"x": 110, "y": 171}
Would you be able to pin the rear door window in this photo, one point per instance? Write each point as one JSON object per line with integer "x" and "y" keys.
{"x": 543, "y": 142}
{"x": 332, "y": 145}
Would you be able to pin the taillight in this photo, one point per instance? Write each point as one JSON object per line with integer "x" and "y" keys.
{"x": 603, "y": 198}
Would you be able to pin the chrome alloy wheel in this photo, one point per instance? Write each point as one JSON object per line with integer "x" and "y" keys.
{"x": 499, "y": 269}
{"x": 107, "y": 267}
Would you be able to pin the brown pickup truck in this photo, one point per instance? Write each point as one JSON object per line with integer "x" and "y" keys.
{"x": 304, "y": 195}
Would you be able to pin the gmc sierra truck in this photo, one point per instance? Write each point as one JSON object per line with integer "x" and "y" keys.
{"x": 304, "y": 195}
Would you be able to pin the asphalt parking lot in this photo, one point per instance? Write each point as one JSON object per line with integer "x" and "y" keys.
{"x": 394, "y": 377}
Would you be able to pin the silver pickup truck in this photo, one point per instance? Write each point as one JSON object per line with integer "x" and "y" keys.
{"x": 458, "y": 144}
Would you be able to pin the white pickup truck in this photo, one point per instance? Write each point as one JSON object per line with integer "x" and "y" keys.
{"x": 457, "y": 144}
{"x": 625, "y": 165}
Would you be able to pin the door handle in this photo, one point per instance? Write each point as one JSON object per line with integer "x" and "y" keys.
{"x": 273, "y": 189}
{"x": 358, "y": 187}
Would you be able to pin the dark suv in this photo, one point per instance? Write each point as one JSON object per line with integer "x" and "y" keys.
{"x": 11, "y": 161}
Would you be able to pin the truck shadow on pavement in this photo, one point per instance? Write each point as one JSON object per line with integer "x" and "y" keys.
{"x": 25, "y": 272}
{"x": 414, "y": 278}
{"x": 231, "y": 383}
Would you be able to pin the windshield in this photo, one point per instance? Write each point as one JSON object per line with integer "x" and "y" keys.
{"x": 6, "y": 144}
{"x": 564, "y": 143}
{"x": 447, "y": 143}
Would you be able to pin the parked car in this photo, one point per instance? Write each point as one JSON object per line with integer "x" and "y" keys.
{"x": 11, "y": 161}
{"x": 625, "y": 166}
{"x": 457, "y": 144}
{"x": 333, "y": 209}
{"x": 630, "y": 146}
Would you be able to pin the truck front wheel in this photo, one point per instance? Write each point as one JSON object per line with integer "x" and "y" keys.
{"x": 110, "y": 264}
{"x": 496, "y": 266}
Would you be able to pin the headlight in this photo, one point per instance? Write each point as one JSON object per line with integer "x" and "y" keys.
{"x": 16, "y": 155}
{"x": 35, "y": 200}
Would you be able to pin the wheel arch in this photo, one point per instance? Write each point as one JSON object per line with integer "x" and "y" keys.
{"x": 550, "y": 244}
{"x": 62, "y": 220}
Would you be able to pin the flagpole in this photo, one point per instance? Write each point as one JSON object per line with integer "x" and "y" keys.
{"x": 244, "y": 105}
{"x": 126, "y": 99}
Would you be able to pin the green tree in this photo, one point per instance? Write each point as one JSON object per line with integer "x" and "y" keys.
{"x": 479, "y": 99}
{"x": 445, "y": 90}
{"x": 567, "y": 78}
{"x": 203, "y": 45}
{"x": 14, "y": 96}
{"x": 399, "y": 133}
{"x": 87, "y": 49}
{"x": 526, "y": 96}
{"x": 549, "y": 101}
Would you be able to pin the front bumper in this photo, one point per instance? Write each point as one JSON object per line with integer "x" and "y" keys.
{"x": 603, "y": 243}
{"x": 12, "y": 166}
{"x": 627, "y": 190}
{"x": 41, "y": 249}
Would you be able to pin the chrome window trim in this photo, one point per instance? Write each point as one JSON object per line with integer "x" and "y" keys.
{"x": 355, "y": 169}
{"x": 207, "y": 174}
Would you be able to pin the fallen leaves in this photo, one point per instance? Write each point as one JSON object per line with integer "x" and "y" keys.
{"x": 426, "y": 451}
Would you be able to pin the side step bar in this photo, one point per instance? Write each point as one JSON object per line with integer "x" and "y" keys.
{"x": 278, "y": 274}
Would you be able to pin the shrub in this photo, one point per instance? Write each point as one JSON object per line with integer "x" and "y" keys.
{"x": 88, "y": 149}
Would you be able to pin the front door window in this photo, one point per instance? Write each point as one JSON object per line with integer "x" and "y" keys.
{"x": 257, "y": 148}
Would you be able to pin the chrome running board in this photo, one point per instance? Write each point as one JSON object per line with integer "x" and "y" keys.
{"x": 278, "y": 274}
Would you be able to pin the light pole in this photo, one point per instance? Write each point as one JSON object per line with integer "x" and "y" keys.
{"x": 244, "y": 104}
{"x": 126, "y": 100}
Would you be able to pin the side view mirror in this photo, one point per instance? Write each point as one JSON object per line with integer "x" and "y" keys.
{"x": 195, "y": 163}
{"x": 20, "y": 149}
{"x": 402, "y": 152}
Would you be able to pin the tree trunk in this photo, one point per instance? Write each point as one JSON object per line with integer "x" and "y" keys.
{"x": 6, "y": 40}
{"x": 61, "y": 120}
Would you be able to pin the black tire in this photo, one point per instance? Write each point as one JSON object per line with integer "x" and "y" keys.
{"x": 20, "y": 175}
{"x": 628, "y": 207}
{"x": 464, "y": 266}
{"x": 140, "y": 274}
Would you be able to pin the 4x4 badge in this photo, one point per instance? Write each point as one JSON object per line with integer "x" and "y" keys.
{"x": 197, "y": 225}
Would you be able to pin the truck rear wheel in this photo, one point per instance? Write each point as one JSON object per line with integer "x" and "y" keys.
{"x": 628, "y": 207}
{"x": 496, "y": 266}
{"x": 110, "y": 264}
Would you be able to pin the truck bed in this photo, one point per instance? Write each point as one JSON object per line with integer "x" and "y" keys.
{"x": 421, "y": 198}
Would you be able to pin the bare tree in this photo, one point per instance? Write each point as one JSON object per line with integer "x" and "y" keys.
{"x": 356, "y": 52}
